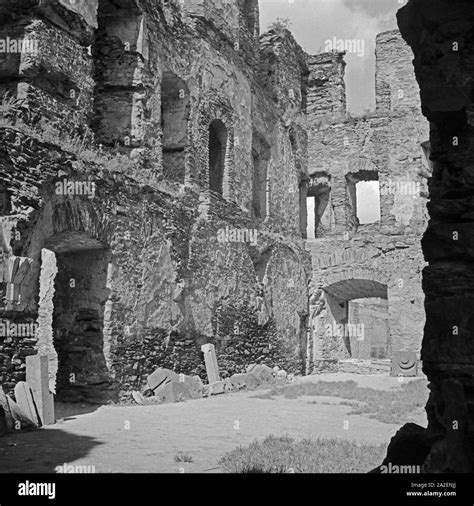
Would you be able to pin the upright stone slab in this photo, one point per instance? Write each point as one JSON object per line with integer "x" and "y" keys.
{"x": 210, "y": 360}
{"x": 24, "y": 399}
{"x": 38, "y": 380}
{"x": 21, "y": 419}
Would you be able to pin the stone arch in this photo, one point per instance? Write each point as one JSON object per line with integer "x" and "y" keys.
{"x": 351, "y": 317}
{"x": 76, "y": 225}
{"x": 356, "y": 283}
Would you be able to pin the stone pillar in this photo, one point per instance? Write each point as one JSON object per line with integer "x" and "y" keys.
{"x": 45, "y": 314}
{"x": 210, "y": 360}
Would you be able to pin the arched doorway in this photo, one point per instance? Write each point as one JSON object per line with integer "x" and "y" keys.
{"x": 74, "y": 290}
{"x": 350, "y": 319}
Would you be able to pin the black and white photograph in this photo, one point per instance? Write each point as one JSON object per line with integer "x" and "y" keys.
{"x": 236, "y": 252}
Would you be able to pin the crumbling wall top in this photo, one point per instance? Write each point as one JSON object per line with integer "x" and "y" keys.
{"x": 396, "y": 88}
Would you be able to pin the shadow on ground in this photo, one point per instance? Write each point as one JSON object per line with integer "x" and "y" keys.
{"x": 42, "y": 450}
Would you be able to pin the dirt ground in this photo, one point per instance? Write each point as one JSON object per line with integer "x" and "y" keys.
{"x": 128, "y": 439}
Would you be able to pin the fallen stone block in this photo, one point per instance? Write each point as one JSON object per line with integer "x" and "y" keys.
{"x": 253, "y": 368}
{"x": 264, "y": 373}
{"x": 174, "y": 391}
{"x": 138, "y": 397}
{"x": 194, "y": 385}
{"x": 228, "y": 387}
{"x": 216, "y": 388}
{"x": 160, "y": 377}
{"x": 245, "y": 380}
{"x": 145, "y": 401}
{"x": 250, "y": 367}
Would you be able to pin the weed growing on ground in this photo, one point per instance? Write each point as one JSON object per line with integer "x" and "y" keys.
{"x": 288, "y": 455}
{"x": 384, "y": 406}
{"x": 183, "y": 457}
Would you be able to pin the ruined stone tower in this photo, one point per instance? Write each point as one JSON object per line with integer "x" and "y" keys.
{"x": 366, "y": 299}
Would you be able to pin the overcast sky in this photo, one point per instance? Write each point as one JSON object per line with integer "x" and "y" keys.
{"x": 313, "y": 22}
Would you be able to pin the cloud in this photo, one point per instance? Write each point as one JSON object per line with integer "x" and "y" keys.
{"x": 373, "y": 8}
{"x": 313, "y": 22}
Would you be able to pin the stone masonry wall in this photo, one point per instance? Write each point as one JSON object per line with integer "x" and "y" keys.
{"x": 441, "y": 37}
{"x": 385, "y": 146}
{"x": 168, "y": 281}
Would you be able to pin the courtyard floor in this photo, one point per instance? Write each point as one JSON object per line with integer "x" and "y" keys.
{"x": 127, "y": 439}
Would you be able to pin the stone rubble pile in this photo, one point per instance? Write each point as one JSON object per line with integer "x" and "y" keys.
{"x": 165, "y": 386}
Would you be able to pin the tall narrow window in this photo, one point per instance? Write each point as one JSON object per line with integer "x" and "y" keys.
{"x": 261, "y": 158}
{"x": 321, "y": 219}
{"x": 217, "y": 152}
{"x": 175, "y": 106}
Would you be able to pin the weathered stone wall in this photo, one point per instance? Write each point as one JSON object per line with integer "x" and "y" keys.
{"x": 173, "y": 275}
{"x": 396, "y": 88}
{"x": 383, "y": 146}
{"x": 326, "y": 89}
{"x": 441, "y": 37}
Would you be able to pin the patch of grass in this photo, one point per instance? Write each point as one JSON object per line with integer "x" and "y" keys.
{"x": 384, "y": 406}
{"x": 288, "y": 455}
{"x": 183, "y": 457}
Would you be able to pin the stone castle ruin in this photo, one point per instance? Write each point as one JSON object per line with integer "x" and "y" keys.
{"x": 366, "y": 300}
{"x": 157, "y": 163}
